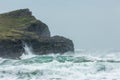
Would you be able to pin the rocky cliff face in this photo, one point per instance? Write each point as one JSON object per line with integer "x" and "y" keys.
{"x": 19, "y": 27}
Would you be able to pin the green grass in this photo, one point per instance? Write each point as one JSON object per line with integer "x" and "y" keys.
{"x": 11, "y": 27}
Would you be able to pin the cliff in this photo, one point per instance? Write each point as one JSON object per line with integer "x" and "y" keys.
{"x": 19, "y": 27}
{"x": 21, "y": 23}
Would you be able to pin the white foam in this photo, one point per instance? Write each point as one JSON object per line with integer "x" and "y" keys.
{"x": 64, "y": 71}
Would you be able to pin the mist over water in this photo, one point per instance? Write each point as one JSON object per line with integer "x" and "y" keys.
{"x": 81, "y": 65}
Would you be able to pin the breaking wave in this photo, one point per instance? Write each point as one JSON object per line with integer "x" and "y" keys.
{"x": 81, "y": 65}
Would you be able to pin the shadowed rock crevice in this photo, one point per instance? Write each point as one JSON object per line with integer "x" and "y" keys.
{"x": 21, "y": 26}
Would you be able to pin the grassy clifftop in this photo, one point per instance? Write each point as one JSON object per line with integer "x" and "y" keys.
{"x": 12, "y": 24}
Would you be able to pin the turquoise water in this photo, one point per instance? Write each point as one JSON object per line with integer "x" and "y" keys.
{"x": 70, "y": 66}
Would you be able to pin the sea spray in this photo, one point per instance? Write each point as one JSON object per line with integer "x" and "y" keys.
{"x": 28, "y": 51}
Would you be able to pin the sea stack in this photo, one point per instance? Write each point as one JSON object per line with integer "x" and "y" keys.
{"x": 20, "y": 27}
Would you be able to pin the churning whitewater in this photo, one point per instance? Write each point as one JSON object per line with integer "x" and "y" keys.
{"x": 81, "y": 65}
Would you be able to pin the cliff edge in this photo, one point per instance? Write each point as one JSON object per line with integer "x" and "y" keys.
{"x": 20, "y": 27}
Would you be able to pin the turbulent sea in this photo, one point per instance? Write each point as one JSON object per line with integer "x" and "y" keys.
{"x": 81, "y": 65}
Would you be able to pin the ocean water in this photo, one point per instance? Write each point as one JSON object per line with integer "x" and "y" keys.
{"x": 81, "y": 65}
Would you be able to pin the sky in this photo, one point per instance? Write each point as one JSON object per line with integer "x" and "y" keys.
{"x": 91, "y": 24}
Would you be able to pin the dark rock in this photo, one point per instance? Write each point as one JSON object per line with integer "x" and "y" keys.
{"x": 11, "y": 48}
{"x": 39, "y": 28}
{"x": 56, "y": 44}
{"x": 28, "y": 30}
